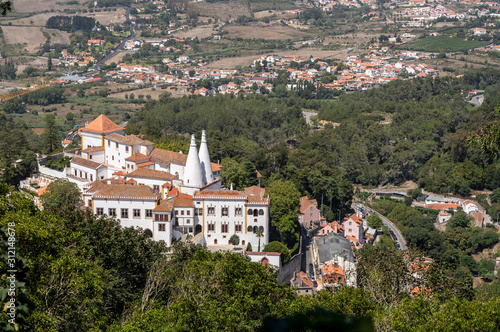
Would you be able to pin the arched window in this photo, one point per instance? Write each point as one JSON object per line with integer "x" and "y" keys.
{"x": 243, "y": 242}
{"x": 261, "y": 212}
{"x": 249, "y": 229}
{"x": 255, "y": 213}
{"x": 261, "y": 228}
{"x": 250, "y": 211}
{"x": 255, "y": 229}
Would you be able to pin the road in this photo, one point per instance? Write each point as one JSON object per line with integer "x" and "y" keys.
{"x": 389, "y": 224}
{"x": 120, "y": 47}
{"x": 477, "y": 100}
{"x": 308, "y": 116}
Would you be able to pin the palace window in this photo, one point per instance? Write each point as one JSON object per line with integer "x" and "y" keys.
{"x": 198, "y": 212}
{"x": 99, "y": 211}
{"x": 182, "y": 212}
{"x": 126, "y": 149}
{"x": 149, "y": 213}
{"x": 124, "y": 213}
{"x": 225, "y": 228}
{"x": 112, "y": 212}
{"x": 261, "y": 212}
{"x": 224, "y": 212}
{"x": 156, "y": 188}
{"x": 137, "y": 213}
{"x": 211, "y": 211}
{"x": 237, "y": 211}
{"x": 237, "y": 228}
{"x": 161, "y": 227}
{"x": 188, "y": 212}
{"x": 211, "y": 227}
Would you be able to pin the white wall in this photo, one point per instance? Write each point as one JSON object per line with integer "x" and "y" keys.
{"x": 91, "y": 139}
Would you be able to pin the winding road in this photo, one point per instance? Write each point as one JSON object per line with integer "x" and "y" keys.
{"x": 389, "y": 224}
{"x": 122, "y": 44}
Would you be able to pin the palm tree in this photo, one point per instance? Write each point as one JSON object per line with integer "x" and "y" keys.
{"x": 259, "y": 234}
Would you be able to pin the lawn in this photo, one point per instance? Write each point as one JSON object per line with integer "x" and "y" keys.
{"x": 442, "y": 44}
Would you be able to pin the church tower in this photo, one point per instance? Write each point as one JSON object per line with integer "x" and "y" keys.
{"x": 193, "y": 172}
{"x": 206, "y": 165}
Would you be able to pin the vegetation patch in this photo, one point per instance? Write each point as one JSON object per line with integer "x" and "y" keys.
{"x": 443, "y": 44}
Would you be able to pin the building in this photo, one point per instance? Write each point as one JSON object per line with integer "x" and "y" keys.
{"x": 353, "y": 229}
{"x": 309, "y": 212}
{"x": 169, "y": 195}
{"x": 265, "y": 258}
{"x": 303, "y": 283}
{"x": 332, "y": 274}
{"x": 334, "y": 249}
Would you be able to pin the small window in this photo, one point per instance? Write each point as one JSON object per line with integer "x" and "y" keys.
{"x": 188, "y": 221}
{"x": 249, "y": 229}
{"x": 90, "y": 157}
{"x": 149, "y": 213}
{"x": 126, "y": 149}
{"x": 261, "y": 212}
{"x": 124, "y": 213}
{"x": 137, "y": 213}
{"x": 156, "y": 188}
{"x": 91, "y": 177}
{"x": 176, "y": 212}
{"x": 225, "y": 228}
{"x": 116, "y": 145}
{"x": 112, "y": 157}
{"x": 211, "y": 211}
{"x": 89, "y": 202}
{"x": 112, "y": 212}
{"x": 188, "y": 212}
{"x": 237, "y": 211}
{"x": 182, "y": 212}
{"x": 99, "y": 211}
{"x": 255, "y": 220}
{"x": 109, "y": 143}
{"x": 224, "y": 212}
{"x": 161, "y": 227}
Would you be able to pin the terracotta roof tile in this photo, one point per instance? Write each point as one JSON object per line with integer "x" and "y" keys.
{"x": 126, "y": 191}
{"x": 102, "y": 125}
{"x": 91, "y": 149}
{"x": 165, "y": 157}
{"x": 85, "y": 162}
{"x": 183, "y": 201}
{"x": 137, "y": 157}
{"x": 127, "y": 140}
{"x": 150, "y": 174}
{"x": 164, "y": 206}
{"x": 209, "y": 193}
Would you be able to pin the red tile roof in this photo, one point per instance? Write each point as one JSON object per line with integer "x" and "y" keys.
{"x": 137, "y": 157}
{"x": 102, "y": 125}
{"x": 91, "y": 149}
{"x": 127, "y": 191}
{"x": 150, "y": 174}
{"x": 127, "y": 140}
{"x": 85, "y": 162}
{"x": 164, "y": 206}
{"x": 165, "y": 157}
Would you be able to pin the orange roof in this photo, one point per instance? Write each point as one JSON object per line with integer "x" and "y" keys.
{"x": 102, "y": 125}
{"x": 183, "y": 201}
{"x": 439, "y": 206}
{"x": 150, "y": 174}
{"x": 42, "y": 191}
{"x": 147, "y": 163}
{"x": 332, "y": 269}
{"x": 216, "y": 167}
{"x": 164, "y": 206}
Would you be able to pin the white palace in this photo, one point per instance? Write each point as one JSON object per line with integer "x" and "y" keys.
{"x": 167, "y": 194}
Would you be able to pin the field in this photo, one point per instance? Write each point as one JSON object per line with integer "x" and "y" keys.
{"x": 30, "y": 38}
{"x": 230, "y": 63}
{"x": 223, "y": 10}
{"x": 30, "y": 6}
{"x": 35, "y": 20}
{"x": 57, "y": 36}
{"x": 257, "y": 31}
{"x": 200, "y": 32}
{"x": 442, "y": 44}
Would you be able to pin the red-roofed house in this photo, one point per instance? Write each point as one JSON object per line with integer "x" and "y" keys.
{"x": 309, "y": 212}
{"x": 353, "y": 229}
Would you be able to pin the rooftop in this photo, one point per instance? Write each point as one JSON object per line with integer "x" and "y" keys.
{"x": 128, "y": 140}
{"x": 165, "y": 157}
{"x": 150, "y": 174}
{"x": 102, "y": 125}
{"x": 126, "y": 191}
{"x": 85, "y": 162}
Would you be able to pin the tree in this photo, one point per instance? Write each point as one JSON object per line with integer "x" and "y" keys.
{"x": 459, "y": 220}
{"x": 276, "y": 246}
{"x": 249, "y": 246}
{"x": 375, "y": 222}
{"x": 234, "y": 239}
{"x": 61, "y": 196}
{"x": 495, "y": 196}
{"x": 49, "y": 137}
{"x": 259, "y": 234}
{"x": 49, "y": 62}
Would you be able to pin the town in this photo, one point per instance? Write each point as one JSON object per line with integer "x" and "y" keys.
{"x": 230, "y": 165}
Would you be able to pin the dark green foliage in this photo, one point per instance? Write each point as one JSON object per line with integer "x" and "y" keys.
{"x": 276, "y": 246}
{"x": 71, "y": 23}
{"x": 46, "y": 96}
{"x": 61, "y": 197}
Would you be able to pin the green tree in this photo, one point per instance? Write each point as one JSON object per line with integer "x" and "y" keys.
{"x": 50, "y": 139}
{"x": 259, "y": 234}
{"x": 61, "y": 196}
{"x": 279, "y": 247}
{"x": 374, "y": 221}
{"x": 234, "y": 239}
{"x": 459, "y": 220}
{"x": 49, "y": 62}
